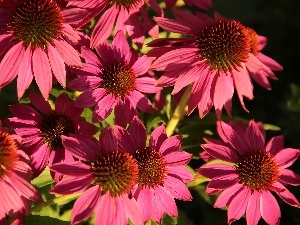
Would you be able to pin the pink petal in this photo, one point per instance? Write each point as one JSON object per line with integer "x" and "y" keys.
{"x": 90, "y": 98}
{"x": 180, "y": 171}
{"x": 171, "y": 144}
{"x": 39, "y": 160}
{"x": 142, "y": 65}
{"x": 85, "y": 204}
{"x": 269, "y": 62}
{"x": 74, "y": 168}
{"x": 85, "y": 83}
{"x": 287, "y": 196}
{"x": 25, "y": 72}
{"x": 137, "y": 99}
{"x": 104, "y": 26}
{"x": 221, "y": 152}
{"x": 223, "y": 182}
{"x": 177, "y": 188}
{"x": 146, "y": 85}
{"x": 255, "y": 137}
{"x": 138, "y": 133}
{"x": 108, "y": 140}
{"x": 103, "y": 108}
{"x": 40, "y": 103}
{"x": 216, "y": 170}
{"x": 124, "y": 139}
{"x": 157, "y": 137}
{"x": 289, "y": 177}
{"x": 175, "y": 59}
{"x": 42, "y": 71}
{"x": 227, "y": 195}
{"x": 177, "y": 158}
{"x": 173, "y": 26}
{"x": 144, "y": 200}
{"x": 267, "y": 202}
{"x": 89, "y": 56}
{"x": 106, "y": 211}
{"x": 253, "y": 64}
{"x": 57, "y": 65}
{"x": 237, "y": 206}
{"x": 132, "y": 210}
{"x": 70, "y": 34}
{"x": 287, "y": 157}
{"x": 71, "y": 185}
{"x": 121, "y": 47}
{"x": 253, "y": 209}
{"x": 188, "y": 19}
{"x": 68, "y": 53}
{"x": 10, "y": 63}
{"x": 275, "y": 145}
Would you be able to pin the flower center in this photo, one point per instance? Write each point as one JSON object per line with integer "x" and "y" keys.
{"x": 125, "y": 3}
{"x": 224, "y": 45}
{"x": 52, "y": 126}
{"x": 36, "y": 22}
{"x": 115, "y": 172}
{"x": 258, "y": 170}
{"x": 152, "y": 168}
{"x": 8, "y": 153}
{"x": 254, "y": 41}
{"x": 118, "y": 79}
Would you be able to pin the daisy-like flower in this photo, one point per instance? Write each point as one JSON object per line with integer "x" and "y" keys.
{"x": 254, "y": 170}
{"x": 115, "y": 78}
{"x": 34, "y": 43}
{"x": 162, "y": 174}
{"x": 219, "y": 56}
{"x": 129, "y": 15}
{"x": 42, "y": 131}
{"x": 16, "y": 192}
{"x": 105, "y": 174}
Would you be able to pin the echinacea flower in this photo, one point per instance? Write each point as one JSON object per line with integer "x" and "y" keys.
{"x": 218, "y": 56}
{"x": 128, "y": 16}
{"x": 34, "y": 44}
{"x": 253, "y": 171}
{"x": 105, "y": 174}
{"x": 16, "y": 192}
{"x": 42, "y": 131}
{"x": 162, "y": 174}
{"x": 115, "y": 78}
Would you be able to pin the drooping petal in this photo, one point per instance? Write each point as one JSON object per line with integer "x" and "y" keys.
{"x": 267, "y": 201}
{"x": 287, "y": 196}
{"x": 216, "y": 170}
{"x": 289, "y": 177}
{"x": 74, "y": 168}
{"x": 223, "y": 182}
{"x": 132, "y": 210}
{"x": 221, "y": 152}
{"x": 103, "y": 108}
{"x": 106, "y": 211}
{"x": 137, "y": 99}
{"x": 177, "y": 188}
{"x": 287, "y": 157}
{"x": 253, "y": 209}
{"x": 90, "y": 98}
{"x": 227, "y": 195}
{"x": 142, "y": 65}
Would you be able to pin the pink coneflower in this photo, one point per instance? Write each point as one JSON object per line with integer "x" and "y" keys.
{"x": 129, "y": 15}
{"x": 162, "y": 174}
{"x": 114, "y": 79}
{"x": 256, "y": 169}
{"x": 218, "y": 56}
{"x": 14, "y": 172}
{"x": 105, "y": 174}
{"x": 34, "y": 43}
{"x": 42, "y": 130}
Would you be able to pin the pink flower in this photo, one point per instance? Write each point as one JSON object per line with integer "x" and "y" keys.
{"x": 114, "y": 79}
{"x": 256, "y": 169}
{"x": 34, "y": 43}
{"x": 218, "y": 56}
{"x": 130, "y": 16}
{"x": 42, "y": 131}
{"x": 105, "y": 174}
{"x": 162, "y": 173}
{"x": 14, "y": 172}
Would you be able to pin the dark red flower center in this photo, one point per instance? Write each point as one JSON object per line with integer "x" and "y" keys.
{"x": 115, "y": 172}
{"x": 52, "y": 126}
{"x": 8, "y": 153}
{"x": 125, "y": 3}
{"x": 254, "y": 41}
{"x": 152, "y": 168}
{"x": 36, "y": 22}
{"x": 224, "y": 45}
{"x": 118, "y": 79}
{"x": 258, "y": 170}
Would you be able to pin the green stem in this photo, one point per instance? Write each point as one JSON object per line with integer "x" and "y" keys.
{"x": 54, "y": 201}
{"x": 179, "y": 112}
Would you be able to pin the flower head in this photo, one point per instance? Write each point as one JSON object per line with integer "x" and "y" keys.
{"x": 105, "y": 174}
{"x": 42, "y": 131}
{"x": 128, "y": 16}
{"x": 115, "y": 78}
{"x": 35, "y": 40}
{"x": 161, "y": 175}
{"x": 256, "y": 169}
{"x": 219, "y": 56}
{"x": 14, "y": 173}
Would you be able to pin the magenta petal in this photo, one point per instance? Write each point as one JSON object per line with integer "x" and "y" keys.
{"x": 10, "y": 63}
{"x": 42, "y": 71}
{"x": 178, "y": 158}
{"x": 137, "y": 99}
{"x": 287, "y": 157}
{"x": 75, "y": 168}
{"x": 221, "y": 152}
{"x": 223, "y": 182}
{"x": 71, "y": 185}
{"x": 171, "y": 144}
{"x": 39, "y": 159}
{"x": 104, "y": 26}
{"x": 25, "y": 72}
{"x": 106, "y": 210}
{"x": 108, "y": 140}
{"x": 132, "y": 210}
{"x": 120, "y": 47}
{"x": 90, "y": 57}
{"x": 253, "y": 209}
{"x": 267, "y": 202}
{"x": 103, "y": 108}
{"x": 255, "y": 136}
{"x": 237, "y": 206}
{"x": 289, "y": 177}
{"x": 85, "y": 204}
{"x": 216, "y": 170}
{"x": 142, "y": 65}
{"x": 124, "y": 139}
{"x": 173, "y": 26}
{"x": 287, "y": 196}
{"x": 157, "y": 137}
{"x": 90, "y": 98}
{"x": 40, "y": 103}
{"x": 227, "y": 195}
{"x": 180, "y": 171}
{"x": 146, "y": 85}
{"x": 177, "y": 188}
{"x": 144, "y": 200}
{"x": 175, "y": 59}
{"x": 275, "y": 144}
{"x": 138, "y": 133}
{"x": 57, "y": 65}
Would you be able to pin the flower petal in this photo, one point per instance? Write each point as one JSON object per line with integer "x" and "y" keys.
{"x": 267, "y": 202}
{"x": 289, "y": 177}
{"x": 216, "y": 170}
{"x": 253, "y": 209}
{"x": 221, "y": 152}
{"x": 275, "y": 144}
{"x": 287, "y": 157}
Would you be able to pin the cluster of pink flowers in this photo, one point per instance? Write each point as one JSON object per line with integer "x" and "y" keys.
{"x": 123, "y": 174}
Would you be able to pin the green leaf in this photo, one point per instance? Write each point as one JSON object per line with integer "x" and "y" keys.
{"x": 43, "y": 179}
{"x": 44, "y": 220}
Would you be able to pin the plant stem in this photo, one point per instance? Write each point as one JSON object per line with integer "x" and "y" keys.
{"x": 179, "y": 112}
